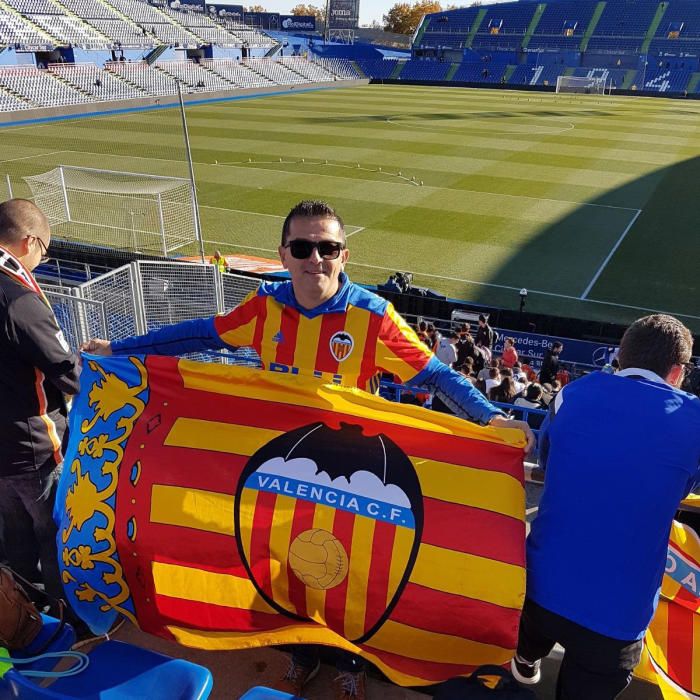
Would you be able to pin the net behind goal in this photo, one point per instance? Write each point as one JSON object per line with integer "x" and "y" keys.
{"x": 129, "y": 211}
{"x": 586, "y": 86}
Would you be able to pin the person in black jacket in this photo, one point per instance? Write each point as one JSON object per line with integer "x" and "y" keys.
{"x": 550, "y": 364}
{"x": 485, "y": 335}
{"x": 38, "y": 370}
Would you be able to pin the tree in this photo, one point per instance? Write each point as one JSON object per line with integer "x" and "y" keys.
{"x": 255, "y": 8}
{"x": 403, "y": 18}
{"x": 310, "y": 11}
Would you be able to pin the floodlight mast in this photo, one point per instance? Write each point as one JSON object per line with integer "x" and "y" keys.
{"x": 188, "y": 150}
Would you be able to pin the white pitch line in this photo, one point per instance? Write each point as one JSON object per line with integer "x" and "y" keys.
{"x": 488, "y": 284}
{"x": 605, "y": 262}
{"x": 357, "y": 230}
{"x": 38, "y": 155}
{"x": 241, "y": 211}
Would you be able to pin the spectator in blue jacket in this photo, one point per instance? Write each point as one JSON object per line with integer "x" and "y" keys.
{"x": 621, "y": 451}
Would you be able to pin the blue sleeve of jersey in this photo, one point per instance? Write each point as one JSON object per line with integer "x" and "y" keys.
{"x": 458, "y": 393}
{"x": 198, "y": 335}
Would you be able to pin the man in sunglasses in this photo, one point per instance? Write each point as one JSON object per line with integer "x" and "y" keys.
{"x": 321, "y": 324}
{"x": 38, "y": 369}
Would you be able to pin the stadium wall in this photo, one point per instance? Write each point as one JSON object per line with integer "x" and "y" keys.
{"x": 47, "y": 114}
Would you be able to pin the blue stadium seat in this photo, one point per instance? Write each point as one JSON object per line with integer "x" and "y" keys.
{"x": 262, "y": 693}
{"x": 424, "y": 70}
{"x": 377, "y": 68}
{"x": 118, "y": 671}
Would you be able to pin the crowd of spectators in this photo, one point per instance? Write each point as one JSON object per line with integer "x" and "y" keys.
{"x": 505, "y": 378}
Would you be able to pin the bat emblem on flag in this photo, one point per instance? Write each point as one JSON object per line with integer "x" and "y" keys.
{"x": 341, "y": 344}
{"x": 333, "y": 495}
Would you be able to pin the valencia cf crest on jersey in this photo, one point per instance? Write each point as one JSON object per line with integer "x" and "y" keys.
{"x": 341, "y": 344}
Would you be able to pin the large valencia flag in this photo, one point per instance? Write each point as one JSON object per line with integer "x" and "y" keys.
{"x": 671, "y": 655}
{"x": 226, "y": 507}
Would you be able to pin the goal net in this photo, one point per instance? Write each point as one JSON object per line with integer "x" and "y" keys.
{"x": 128, "y": 211}
{"x": 594, "y": 85}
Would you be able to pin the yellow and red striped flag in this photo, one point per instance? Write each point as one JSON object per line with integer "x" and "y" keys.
{"x": 671, "y": 655}
{"x": 226, "y": 507}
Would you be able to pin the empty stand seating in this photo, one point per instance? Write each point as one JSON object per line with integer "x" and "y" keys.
{"x": 275, "y": 71}
{"x": 238, "y": 74}
{"x": 101, "y": 84}
{"x": 622, "y": 18}
{"x": 247, "y": 35}
{"x": 312, "y": 71}
{"x": 71, "y": 30}
{"x": 204, "y": 28}
{"x": 380, "y": 69}
{"x": 683, "y": 12}
{"x": 11, "y": 103}
{"x": 195, "y": 76}
{"x": 424, "y": 70}
{"x": 340, "y": 67}
{"x": 39, "y": 87}
{"x": 666, "y": 80}
{"x": 479, "y": 73}
{"x": 14, "y": 31}
{"x": 149, "y": 79}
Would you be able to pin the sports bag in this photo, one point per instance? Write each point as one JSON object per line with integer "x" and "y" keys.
{"x": 20, "y": 621}
{"x": 474, "y": 687}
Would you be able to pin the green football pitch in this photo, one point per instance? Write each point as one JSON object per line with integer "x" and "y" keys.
{"x": 591, "y": 203}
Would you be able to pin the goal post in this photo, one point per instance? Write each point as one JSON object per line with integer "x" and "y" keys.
{"x": 593, "y": 85}
{"x": 128, "y": 211}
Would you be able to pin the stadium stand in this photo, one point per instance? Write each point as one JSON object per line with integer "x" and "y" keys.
{"x": 90, "y": 9}
{"x": 248, "y": 35}
{"x": 479, "y": 73}
{"x": 314, "y": 72}
{"x": 141, "y": 75}
{"x": 39, "y": 87}
{"x": 340, "y": 67}
{"x": 448, "y": 29}
{"x": 237, "y": 73}
{"x": 381, "y": 69}
{"x": 71, "y": 31}
{"x": 204, "y": 28}
{"x": 99, "y": 83}
{"x": 277, "y": 72}
{"x": 663, "y": 80}
{"x": 155, "y": 22}
{"x": 10, "y": 103}
{"x": 626, "y": 19}
{"x": 685, "y": 13}
{"x": 36, "y": 7}
{"x": 123, "y": 33}
{"x": 503, "y": 31}
{"x": 15, "y": 31}
{"x": 193, "y": 75}
{"x": 424, "y": 70}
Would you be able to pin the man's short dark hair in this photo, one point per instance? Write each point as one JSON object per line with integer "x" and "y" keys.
{"x": 482, "y": 318}
{"x": 308, "y": 209}
{"x": 656, "y": 343}
{"x": 20, "y": 218}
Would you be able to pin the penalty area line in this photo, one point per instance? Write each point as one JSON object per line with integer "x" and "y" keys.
{"x": 608, "y": 257}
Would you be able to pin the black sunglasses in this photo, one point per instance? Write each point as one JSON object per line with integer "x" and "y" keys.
{"x": 301, "y": 249}
{"x": 45, "y": 257}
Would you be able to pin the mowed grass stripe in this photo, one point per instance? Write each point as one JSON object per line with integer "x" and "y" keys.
{"x": 574, "y": 171}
